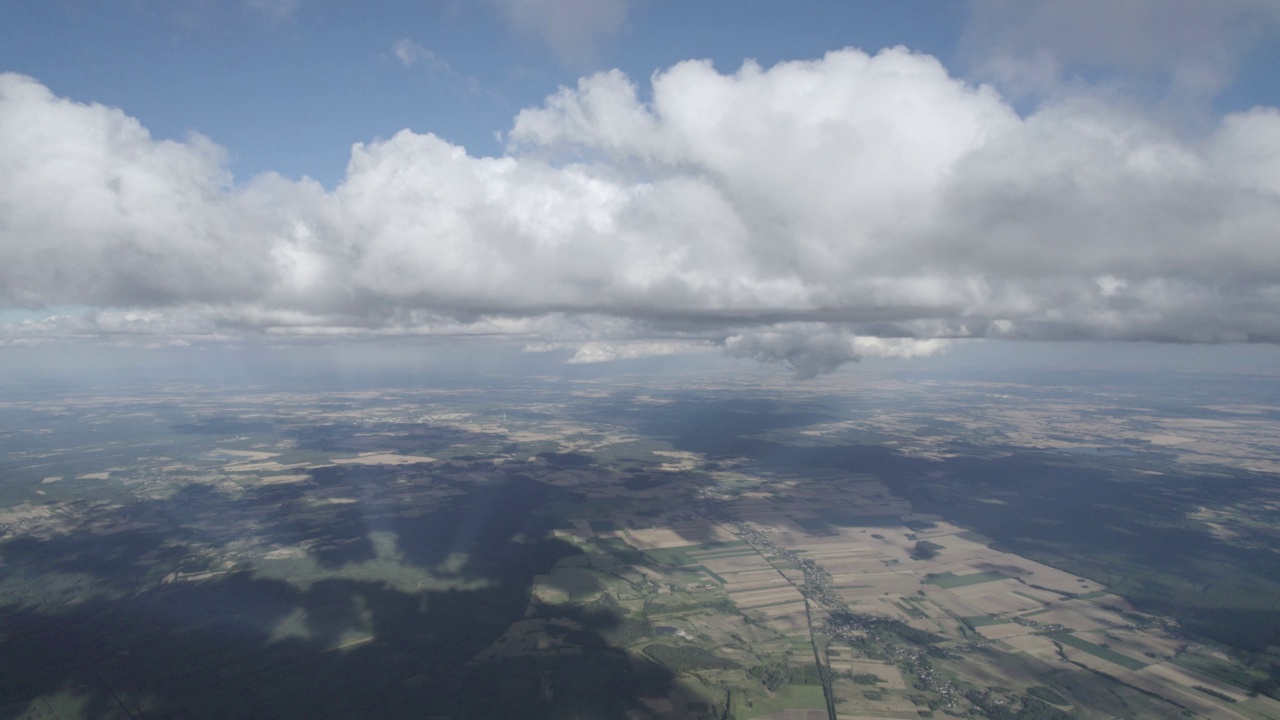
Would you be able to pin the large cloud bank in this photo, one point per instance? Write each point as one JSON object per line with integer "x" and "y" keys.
{"x": 803, "y": 213}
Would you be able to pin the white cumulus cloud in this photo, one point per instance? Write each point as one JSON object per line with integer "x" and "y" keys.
{"x": 410, "y": 54}
{"x": 807, "y": 213}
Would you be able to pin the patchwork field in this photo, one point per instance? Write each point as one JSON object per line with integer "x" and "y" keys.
{"x": 660, "y": 554}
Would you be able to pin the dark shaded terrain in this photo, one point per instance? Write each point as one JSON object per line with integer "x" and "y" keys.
{"x": 128, "y": 646}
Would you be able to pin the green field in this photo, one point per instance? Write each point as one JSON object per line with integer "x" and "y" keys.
{"x": 789, "y": 697}
{"x": 1229, "y": 672}
{"x": 1098, "y": 651}
{"x": 951, "y": 580}
{"x": 680, "y": 555}
{"x": 736, "y": 552}
{"x": 834, "y": 518}
{"x": 713, "y": 576}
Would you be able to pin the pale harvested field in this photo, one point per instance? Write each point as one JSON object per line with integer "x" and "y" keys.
{"x": 94, "y": 476}
{"x": 384, "y": 459}
{"x": 885, "y": 671}
{"x": 948, "y": 557}
{"x": 259, "y": 466}
{"x": 1015, "y": 566}
{"x": 892, "y": 543}
{"x": 894, "y": 583}
{"x": 856, "y": 584}
{"x": 956, "y": 547}
{"x": 1166, "y": 440}
{"x": 966, "y": 567}
{"x": 945, "y": 534}
{"x": 756, "y": 503}
{"x": 1192, "y": 699}
{"x": 546, "y": 591}
{"x": 1044, "y": 596}
{"x": 1002, "y": 600}
{"x": 283, "y": 479}
{"x": 1138, "y": 643}
{"x": 285, "y": 553}
{"x": 946, "y": 600}
{"x": 1114, "y": 603}
{"x": 847, "y": 554}
{"x": 777, "y": 583}
{"x": 833, "y": 546}
{"x": 1058, "y": 580}
{"x": 682, "y": 536}
{"x": 843, "y": 537}
{"x": 879, "y": 605}
{"x": 248, "y": 454}
{"x": 767, "y": 596}
{"x": 745, "y": 562}
{"x": 1264, "y": 706}
{"x": 530, "y": 437}
{"x": 744, "y": 577}
{"x": 854, "y": 567}
{"x": 773, "y": 605}
{"x": 785, "y": 533}
{"x": 1081, "y": 615}
{"x": 782, "y": 529}
{"x": 791, "y": 608}
{"x": 764, "y": 584}
{"x": 1188, "y": 679}
{"x": 794, "y": 623}
{"x": 955, "y": 543}
{"x": 1004, "y": 632}
{"x": 25, "y": 511}
{"x": 844, "y": 542}
{"x": 1038, "y": 646}
{"x": 658, "y": 705}
{"x": 857, "y": 707}
{"x": 883, "y": 714}
{"x": 1093, "y": 661}
{"x": 939, "y": 626}
{"x": 1204, "y": 423}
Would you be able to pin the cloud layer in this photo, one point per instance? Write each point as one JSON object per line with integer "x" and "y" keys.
{"x": 802, "y": 213}
{"x": 1189, "y": 49}
{"x": 574, "y": 30}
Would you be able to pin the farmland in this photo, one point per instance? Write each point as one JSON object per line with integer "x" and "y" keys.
{"x": 622, "y": 551}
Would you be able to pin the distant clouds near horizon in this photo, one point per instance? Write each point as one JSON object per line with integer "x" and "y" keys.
{"x": 806, "y": 213}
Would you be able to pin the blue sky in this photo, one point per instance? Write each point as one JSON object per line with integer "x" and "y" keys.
{"x": 290, "y": 92}
{"x": 1024, "y": 170}
{"x": 288, "y": 86}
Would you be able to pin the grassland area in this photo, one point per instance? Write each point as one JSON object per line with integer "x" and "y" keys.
{"x": 632, "y": 552}
{"x": 1099, "y": 651}
{"x": 950, "y": 580}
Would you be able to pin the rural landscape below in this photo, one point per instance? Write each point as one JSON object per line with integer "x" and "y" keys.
{"x": 640, "y": 360}
{"x": 872, "y": 545}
